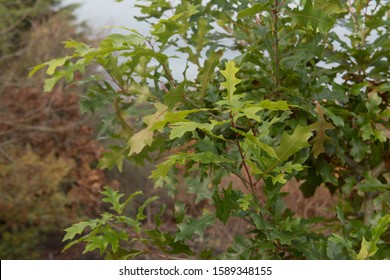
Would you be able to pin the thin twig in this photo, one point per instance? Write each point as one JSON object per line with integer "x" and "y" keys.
{"x": 275, "y": 11}
{"x": 43, "y": 128}
{"x": 243, "y": 160}
{"x": 6, "y": 156}
{"x": 119, "y": 115}
{"x": 165, "y": 67}
{"x": 251, "y": 185}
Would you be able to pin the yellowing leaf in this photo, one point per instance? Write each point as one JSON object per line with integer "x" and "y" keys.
{"x": 173, "y": 117}
{"x": 231, "y": 81}
{"x": 144, "y": 137}
{"x": 250, "y": 113}
{"x": 250, "y": 137}
{"x": 274, "y": 105}
{"x": 35, "y": 69}
{"x": 180, "y": 128}
{"x": 140, "y": 140}
{"x": 53, "y": 64}
{"x": 364, "y": 250}
{"x": 369, "y": 248}
{"x": 50, "y": 83}
{"x": 159, "y": 115}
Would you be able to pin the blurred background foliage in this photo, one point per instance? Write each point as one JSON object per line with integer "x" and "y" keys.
{"x": 48, "y": 158}
{"x": 32, "y": 31}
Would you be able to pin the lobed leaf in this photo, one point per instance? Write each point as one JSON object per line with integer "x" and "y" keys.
{"x": 113, "y": 197}
{"x": 207, "y": 73}
{"x": 78, "y": 228}
{"x": 140, "y": 140}
{"x": 180, "y": 128}
{"x": 114, "y": 157}
{"x": 290, "y": 144}
{"x": 140, "y": 215}
{"x": 255, "y": 9}
{"x": 194, "y": 226}
{"x": 231, "y": 81}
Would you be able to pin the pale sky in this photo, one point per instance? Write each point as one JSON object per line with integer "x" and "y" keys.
{"x": 100, "y": 13}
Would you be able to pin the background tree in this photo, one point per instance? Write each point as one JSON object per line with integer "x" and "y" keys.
{"x": 48, "y": 175}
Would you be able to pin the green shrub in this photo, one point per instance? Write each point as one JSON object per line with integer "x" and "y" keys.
{"x": 298, "y": 100}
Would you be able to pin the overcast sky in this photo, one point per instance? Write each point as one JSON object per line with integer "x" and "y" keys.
{"x": 100, "y": 13}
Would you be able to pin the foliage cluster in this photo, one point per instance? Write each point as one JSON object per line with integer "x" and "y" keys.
{"x": 297, "y": 100}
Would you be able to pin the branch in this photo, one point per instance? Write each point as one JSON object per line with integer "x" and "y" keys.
{"x": 358, "y": 169}
{"x": 243, "y": 162}
{"x": 378, "y": 170}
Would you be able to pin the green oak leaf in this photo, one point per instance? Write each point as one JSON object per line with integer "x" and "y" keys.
{"x": 253, "y": 139}
{"x": 78, "y": 228}
{"x": 96, "y": 242}
{"x": 227, "y": 203}
{"x": 113, "y": 197}
{"x": 207, "y": 73}
{"x": 273, "y": 105}
{"x": 201, "y": 188}
{"x": 114, "y": 157}
{"x": 140, "y": 215}
{"x": 174, "y": 96}
{"x": 359, "y": 149}
{"x": 194, "y": 226}
{"x": 290, "y": 144}
{"x": 113, "y": 237}
{"x": 255, "y": 9}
